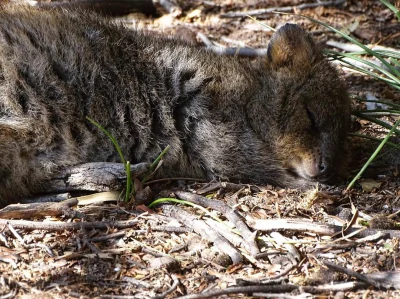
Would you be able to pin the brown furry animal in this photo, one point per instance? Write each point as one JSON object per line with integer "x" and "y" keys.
{"x": 280, "y": 119}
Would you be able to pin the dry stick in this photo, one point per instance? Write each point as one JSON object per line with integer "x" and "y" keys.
{"x": 117, "y": 297}
{"x": 230, "y": 214}
{"x": 344, "y": 286}
{"x": 355, "y": 274}
{"x": 171, "y": 229}
{"x": 98, "y": 176}
{"x": 224, "y": 231}
{"x": 92, "y": 247}
{"x": 349, "y": 47}
{"x": 244, "y": 290}
{"x": 47, "y": 198}
{"x": 390, "y": 279}
{"x": 257, "y": 12}
{"x": 35, "y": 210}
{"x": 136, "y": 282}
{"x": 235, "y": 51}
{"x": 62, "y": 226}
{"x": 119, "y": 234}
{"x": 170, "y": 290}
{"x": 207, "y": 232}
{"x": 32, "y": 245}
{"x": 281, "y": 240}
{"x": 225, "y": 185}
{"x": 258, "y": 290}
{"x": 174, "y": 179}
{"x": 116, "y": 7}
{"x": 305, "y": 225}
{"x": 255, "y": 281}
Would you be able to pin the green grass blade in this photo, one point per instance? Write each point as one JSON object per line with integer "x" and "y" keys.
{"x": 366, "y": 62}
{"x": 373, "y": 156}
{"x": 377, "y": 121}
{"x": 354, "y": 41}
{"x": 392, "y": 7}
{"x": 111, "y": 137}
{"x": 377, "y": 111}
{"x": 383, "y": 53}
{"x": 372, "y": 74}
{"x": 127, "y": 164}
{"x": 261, "y": 23}
{"x": 154, "y": 164}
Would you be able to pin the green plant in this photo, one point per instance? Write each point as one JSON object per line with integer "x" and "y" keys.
{"x": 129, "y": 189}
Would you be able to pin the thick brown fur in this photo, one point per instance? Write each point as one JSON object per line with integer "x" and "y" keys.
{"x": 280, "y": 119}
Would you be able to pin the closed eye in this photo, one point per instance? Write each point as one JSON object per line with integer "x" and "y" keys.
{"x": 311, "y": 116}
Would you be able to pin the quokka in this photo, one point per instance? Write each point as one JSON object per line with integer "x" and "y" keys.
{"x": 280, "y": 119}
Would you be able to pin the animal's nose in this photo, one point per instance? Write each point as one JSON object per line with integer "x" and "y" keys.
{"x": 324, "y": 170}
{"x": 322, "y": 167}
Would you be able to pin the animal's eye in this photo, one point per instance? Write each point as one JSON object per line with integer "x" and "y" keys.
{"x": 311, "y": 116}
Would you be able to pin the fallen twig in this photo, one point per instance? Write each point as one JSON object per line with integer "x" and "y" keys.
{"x": 352, "y": 273}
{"x": 305, "y": 225}
{"x": 173, "y": 287}
{"x": 58, "y": 197}
{"x": 258, "y": 12}
{"x": 207, "y": 232}
{"x": 224, "y": 231}
{"x": 225, "y": 185}
{"x": 99, "y": 176}
{"x": 389, "y": 279}
{"x": 72, "y": 226}
{"x": 244, "y": 290}
{"x": 349, "y": 47}
{"x": 281, "y": 240}
{"x": 119, "y": 234}
{"x": 235, "y": 51}
{"x": 36, "y": 210}
{"x": 231, "y": 214}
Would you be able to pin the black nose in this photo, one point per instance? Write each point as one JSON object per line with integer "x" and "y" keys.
{"x": 322, "y": 167}
{"x": 324, "y": 170}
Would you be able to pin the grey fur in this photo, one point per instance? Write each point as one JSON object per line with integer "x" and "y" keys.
{"x": 280, "y": 119}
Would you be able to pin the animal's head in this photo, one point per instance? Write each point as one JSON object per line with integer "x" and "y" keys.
{"x": 311, "y": 106}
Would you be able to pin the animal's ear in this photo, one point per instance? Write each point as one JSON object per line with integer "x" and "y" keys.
{"x": 293, "y": 48}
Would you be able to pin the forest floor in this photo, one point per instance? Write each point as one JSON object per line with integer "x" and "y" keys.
{"x": 311, "y": 244}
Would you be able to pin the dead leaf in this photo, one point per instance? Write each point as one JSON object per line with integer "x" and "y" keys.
{"x": 369, "y": 185}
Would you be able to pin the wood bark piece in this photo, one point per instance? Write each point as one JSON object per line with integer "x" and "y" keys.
{"x": 239, "y": 51}
{"x": 305, "y": 225}
{"x": 98, "y": 176}
{"x": 248, "y": 236}
{"x": 355, "y": 274}
{"x": 47, "y": 198}
{"x": 207, "y": 232}
{"x": 108, "y": 7}
{"x": 275, "y": 291}
{"x": 258, "y": 12}
{"x": 37, "y": 210}
{"x": 226, "y": 185}
{"x": 390, "y": 279}
{"x": 224, "y": 231}
{"x": 173, "y": 287}
{"x": 244, "y": 290}
{"x": 71, "y": 226}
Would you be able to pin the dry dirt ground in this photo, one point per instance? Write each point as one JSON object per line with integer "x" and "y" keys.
{"x": 298, "y": 245}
